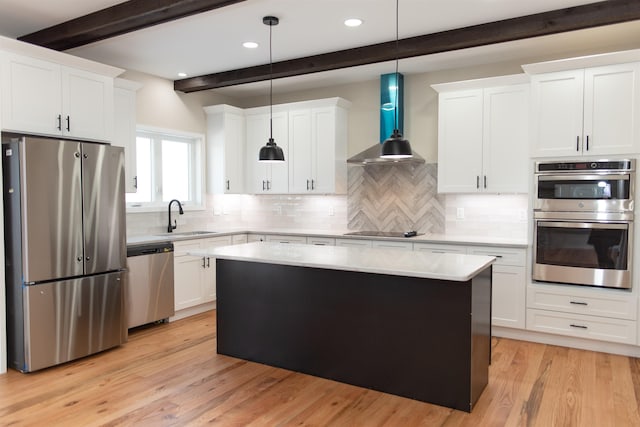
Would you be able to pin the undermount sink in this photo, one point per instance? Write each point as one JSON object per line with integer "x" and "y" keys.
{"x": 187, "y": 233}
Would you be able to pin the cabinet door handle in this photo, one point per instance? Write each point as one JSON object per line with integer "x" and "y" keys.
{"x": 263, "y": 185}
{"x": 227, "y": 184}
{"x": 268, "y": 185}
{"x": 208, "y": 262}
{"x": 587, "y": 142}
{"x": 59, "y": 121}
{"x": 578, "y": 303}
{"x": 478, "y": 182}
{"x": 313, "y": 184}
{"x": 68, "y": 124}
{"x": 578, "y": 143}
{"x": 135, "y": 182}
{"x": 203, "y": 262}
{"x": 307, "y": 185}
{"x": 578, "y": 326}
{"x": 485, "y": 182}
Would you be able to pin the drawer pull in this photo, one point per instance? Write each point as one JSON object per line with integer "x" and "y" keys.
{"x": 578, "y": 326}
{"x": 578, "y": 303}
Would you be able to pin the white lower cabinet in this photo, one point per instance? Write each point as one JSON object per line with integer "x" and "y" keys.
{"x": 508, "y": 285}
{"x": 405, "y": 246}
{"x": 238, "y": 239}
{"x": 437, "y": 248}
{"x": 508, "y": 279}
{"x": 602, "y": 314}
{"x": 354, "y": 243}
{"x": 576, "y": 325}
{"x": 275, "y": 238}
{"x": 195, "y": 276}
{"x": 321, "y": 241}
{"x": 255, "y": 238}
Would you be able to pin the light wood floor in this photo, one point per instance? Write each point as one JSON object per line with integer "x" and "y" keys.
{"x": 170, "y": 375}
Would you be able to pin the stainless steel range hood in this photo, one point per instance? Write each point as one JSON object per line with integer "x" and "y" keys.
{"x": 371, "y": 156}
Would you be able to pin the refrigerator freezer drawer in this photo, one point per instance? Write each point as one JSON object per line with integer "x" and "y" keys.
{"x": 69, "y": 319}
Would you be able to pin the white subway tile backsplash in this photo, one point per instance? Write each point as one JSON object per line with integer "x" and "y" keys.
{"x": 388, "y": 198}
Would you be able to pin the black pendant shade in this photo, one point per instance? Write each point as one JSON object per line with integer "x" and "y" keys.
{"x": 396, "y": 147}
{"x": 270, "y": 152}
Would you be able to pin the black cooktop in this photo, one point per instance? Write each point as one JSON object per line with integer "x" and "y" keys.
{"x": 411, "y": 233}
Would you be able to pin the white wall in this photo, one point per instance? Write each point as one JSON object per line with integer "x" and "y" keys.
{"x": 158, "y": 105}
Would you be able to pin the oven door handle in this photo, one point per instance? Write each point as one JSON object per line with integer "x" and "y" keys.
{"x": 580, "y": 177}
{"x": 570, "y": 224}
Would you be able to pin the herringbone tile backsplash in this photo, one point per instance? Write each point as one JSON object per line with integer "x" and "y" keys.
{"x": 395, "y": 198}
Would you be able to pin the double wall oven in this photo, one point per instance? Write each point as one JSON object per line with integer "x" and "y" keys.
{"x": 583, "y": 222}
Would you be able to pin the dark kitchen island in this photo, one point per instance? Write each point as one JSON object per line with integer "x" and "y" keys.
{"x": 412, "y": 324}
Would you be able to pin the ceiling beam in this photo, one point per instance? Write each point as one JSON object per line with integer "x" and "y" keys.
{"x": 540, "y": 24}
{"x": 122, "y": 18}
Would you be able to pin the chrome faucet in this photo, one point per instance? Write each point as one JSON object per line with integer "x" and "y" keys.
{"x": 173, "y": 226}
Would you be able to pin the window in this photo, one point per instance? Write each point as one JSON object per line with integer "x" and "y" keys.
{"x": 169, "y": 166}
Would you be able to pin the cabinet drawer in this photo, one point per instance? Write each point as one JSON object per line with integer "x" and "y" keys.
{"x": 576, "y": 325}
{"x": 504, "y": 256}
{"x": 286, "y": 239}
{"x": 237, "y": 239}
{"x": 354, "y": 243}
{"x": 439, "y": 249}
{"x": 587, "y": 302}
{"x": 216, "y": 242}
{"x": 183, "y": 248}
{"x": 407, "y": 246}
{"x": 321, "y": 241}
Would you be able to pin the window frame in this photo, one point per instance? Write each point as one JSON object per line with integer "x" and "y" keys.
{"x": 198, "y": 172}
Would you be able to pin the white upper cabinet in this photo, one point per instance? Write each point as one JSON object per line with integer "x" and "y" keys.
{"x": 124, "y": 128}
{"x": 47, "y": 98}
{"x": 225, "y": 149}
{"x": 266, "y": 177}
{"x": 505, "y": 142}
{"x": 460, "y": 141}
{"x": 483, "y": 136}
{"x": 590, "y": 111}
{"x": 317, "y": 149}
{"x": 313, "y": 136}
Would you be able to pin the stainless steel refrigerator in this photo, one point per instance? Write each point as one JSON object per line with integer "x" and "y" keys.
{"x": 65, "y": 247}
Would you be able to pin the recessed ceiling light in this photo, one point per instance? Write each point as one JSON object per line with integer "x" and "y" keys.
{"x": 250, "y": 45}
{"x": 182, "y": 74}
{"x": 353, "y": 22}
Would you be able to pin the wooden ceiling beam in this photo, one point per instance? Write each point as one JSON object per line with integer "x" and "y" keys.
{"x": 122, "y": 18}
{"x": 536, "y": 25}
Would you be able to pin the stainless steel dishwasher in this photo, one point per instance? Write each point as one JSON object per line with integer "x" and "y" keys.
{"x": 149, "y": 283}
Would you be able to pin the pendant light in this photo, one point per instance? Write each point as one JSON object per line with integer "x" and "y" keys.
{"x": 271, "y": 152}
{"x": 396, "y": 147}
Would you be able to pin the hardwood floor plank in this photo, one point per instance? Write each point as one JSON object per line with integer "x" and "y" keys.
{"x": 170, "y": 375}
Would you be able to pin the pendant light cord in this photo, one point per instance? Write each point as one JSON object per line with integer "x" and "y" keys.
{"x": 395, "y": 110}
{"x": 270, "y": 85}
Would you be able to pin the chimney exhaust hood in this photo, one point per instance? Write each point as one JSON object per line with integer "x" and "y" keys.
{"x": 391, "y": 118}
{"x": 371, "y": 156}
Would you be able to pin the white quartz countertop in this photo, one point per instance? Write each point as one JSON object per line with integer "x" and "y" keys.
{"x": 455, "y": 267}
{"x": 422, "y": 238}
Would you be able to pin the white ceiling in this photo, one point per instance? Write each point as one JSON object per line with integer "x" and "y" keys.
{"x": 212, "y": 42}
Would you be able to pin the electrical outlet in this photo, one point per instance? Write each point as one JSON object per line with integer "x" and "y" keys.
{"x": 523, "y": 215}
{"x": 460, "y": 213}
